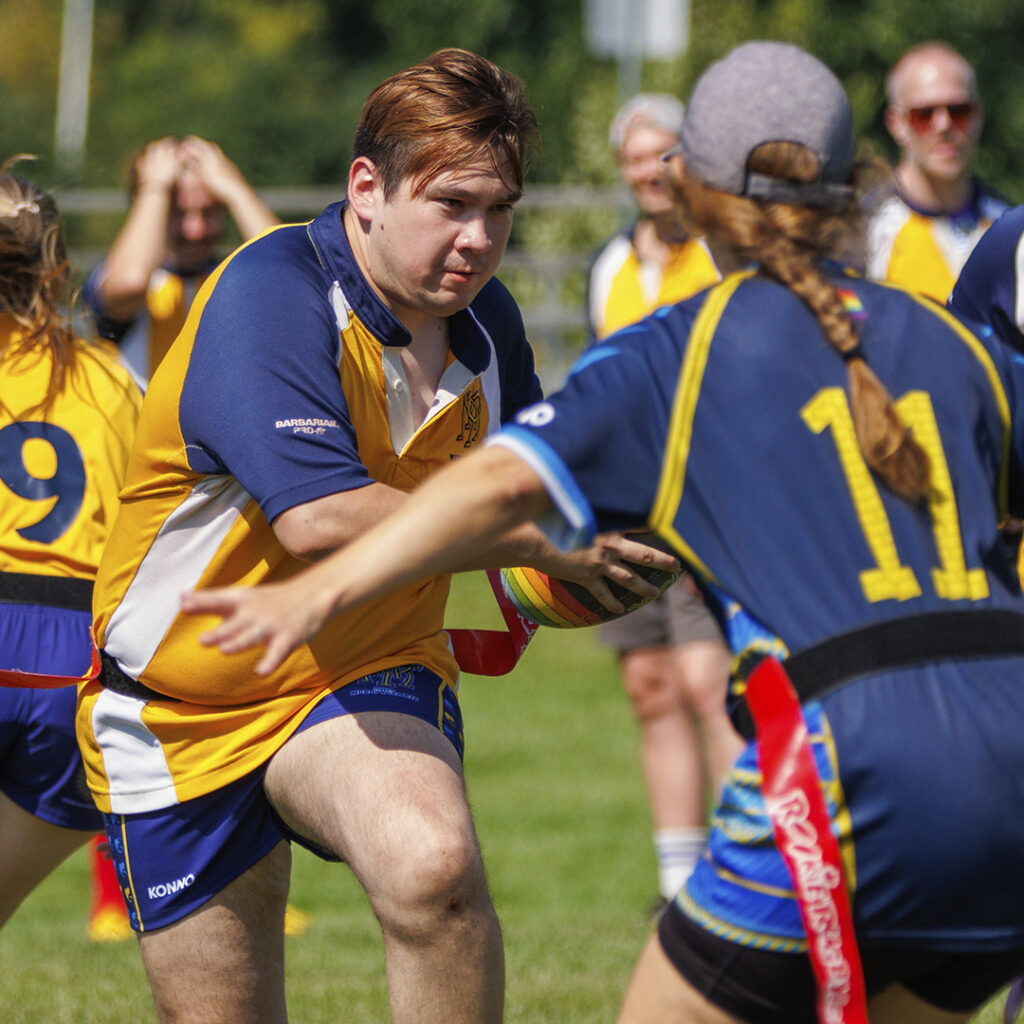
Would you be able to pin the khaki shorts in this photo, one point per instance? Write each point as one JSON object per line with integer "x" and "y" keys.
{"x": 679, "y": 616}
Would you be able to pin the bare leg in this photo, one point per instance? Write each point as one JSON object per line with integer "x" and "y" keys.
{"x": 704, "y": 676}
{"x": 385, "y": 791}
{"x": 669, "y": 750}
{"x": 30, "y": 849}
{"x": 659, "y": 994}
{"x": 225, "y": 961}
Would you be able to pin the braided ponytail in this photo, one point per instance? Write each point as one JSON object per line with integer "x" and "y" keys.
{"x": 787, "y": 241}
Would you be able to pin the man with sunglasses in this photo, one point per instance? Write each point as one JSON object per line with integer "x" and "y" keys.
{"x": 923, "y": 233}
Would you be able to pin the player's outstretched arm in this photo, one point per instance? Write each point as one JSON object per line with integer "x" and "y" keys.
{"x": 452, "y": 521}
{"x": 470, "y": 515}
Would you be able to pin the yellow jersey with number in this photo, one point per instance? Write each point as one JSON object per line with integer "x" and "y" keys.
{"x": 62, "y": 465}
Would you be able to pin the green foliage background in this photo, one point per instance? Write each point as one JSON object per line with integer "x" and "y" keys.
{"x": 280, "y": 84}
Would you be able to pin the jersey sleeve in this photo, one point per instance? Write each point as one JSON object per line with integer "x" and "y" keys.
{"x": 262, "y": 399}
{"x": 597, "y": 444}
{"x": 106, "y": 326}
{"x": 990, "y": 289}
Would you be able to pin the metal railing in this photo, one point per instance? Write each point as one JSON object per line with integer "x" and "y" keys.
{"x": 554, "y": 323}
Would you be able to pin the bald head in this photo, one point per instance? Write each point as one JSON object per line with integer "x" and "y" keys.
{"x": 935, "y": 117}
{"x": 933, "y": 65}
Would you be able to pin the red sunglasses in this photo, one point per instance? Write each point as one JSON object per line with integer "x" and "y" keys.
{"x": 960, "y": 115}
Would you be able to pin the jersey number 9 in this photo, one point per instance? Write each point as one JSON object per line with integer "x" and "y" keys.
{"x": 59, "y": 474}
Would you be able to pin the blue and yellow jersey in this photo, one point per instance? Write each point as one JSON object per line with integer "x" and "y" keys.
{"x": 285, "y": 386}
{"x": 622, "y": 289}
{"x": 145, "y": 341}
{"x": 924, "y": 251}
{"x": 62, "y": 465}
{"x": 724, "y": 423}
{"x": 738, "y": 446}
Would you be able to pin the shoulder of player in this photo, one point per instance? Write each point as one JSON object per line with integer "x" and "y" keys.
{"x": 276, "y": 273}
{"x": 992, "y": 204}
{"x": 610, "y": 255}
{"x": 888, "y": 216}
{"x": 498, "y": 313}
{"x": 105, "y": 357}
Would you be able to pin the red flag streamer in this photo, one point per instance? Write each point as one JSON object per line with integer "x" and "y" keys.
{"x": 803, "y": 834}
{"x": 491, "y": 652}
{"x": 40, "y": 681}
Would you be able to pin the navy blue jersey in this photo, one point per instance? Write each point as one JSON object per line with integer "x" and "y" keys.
{"x": 991, "y": 285}
{"x": 723, "y": 422}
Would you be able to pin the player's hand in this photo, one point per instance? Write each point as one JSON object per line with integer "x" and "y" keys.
{"x": 159, "y": 165}
{"x": 614, "y": 556}
{"x": 278, "y": 615}
{"x": 214, "y": 169}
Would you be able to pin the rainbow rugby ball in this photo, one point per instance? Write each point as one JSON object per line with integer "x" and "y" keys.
{"x": 553, "y": 602}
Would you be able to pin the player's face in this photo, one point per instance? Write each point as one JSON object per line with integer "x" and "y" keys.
{"x": 429, "y": 254}
{"x": 640, "y": 160}
{"x": 196, "y": 222}
{"x": 938, "y": 118}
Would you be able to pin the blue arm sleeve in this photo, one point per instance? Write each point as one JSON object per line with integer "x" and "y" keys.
{"x": 262, "y": 399}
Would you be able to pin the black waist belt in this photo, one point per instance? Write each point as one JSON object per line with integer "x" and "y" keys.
{"x": 113, "y": 678}
{"x": 897, "y": 643}
{"x": 53, "y": 591}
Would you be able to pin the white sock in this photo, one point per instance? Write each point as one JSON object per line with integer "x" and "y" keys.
{"x": 678, "y": 851}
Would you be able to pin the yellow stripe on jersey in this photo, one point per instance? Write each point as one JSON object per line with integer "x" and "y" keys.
{"x": 677, "y": 448}
{"x": 624, "y": 290}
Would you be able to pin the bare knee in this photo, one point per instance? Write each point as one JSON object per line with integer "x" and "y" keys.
{"x": 435, "y": 881}
{"x": 702, "y": 668}
{"x": 651, "y": 680}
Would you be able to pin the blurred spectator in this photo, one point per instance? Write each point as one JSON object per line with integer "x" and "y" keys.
{"x": 674, "y": 662}
{"x": 181, "y": 194}
{"x": 923, "y": 233}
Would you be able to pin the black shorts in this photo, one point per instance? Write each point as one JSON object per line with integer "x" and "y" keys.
{"x": 762, "y": 987}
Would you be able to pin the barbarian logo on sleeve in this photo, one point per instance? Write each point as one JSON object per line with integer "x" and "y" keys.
{"x": 307, "y": 425}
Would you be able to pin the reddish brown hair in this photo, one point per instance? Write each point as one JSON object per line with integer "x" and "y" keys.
{"x": 452, "y": 108}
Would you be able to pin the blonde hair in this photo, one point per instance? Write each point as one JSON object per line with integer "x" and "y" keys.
{"x": 787, "y": 242}
{"x": 34, "y": 271}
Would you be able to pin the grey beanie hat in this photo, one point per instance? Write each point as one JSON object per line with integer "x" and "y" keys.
{"x": 769, "y": 92}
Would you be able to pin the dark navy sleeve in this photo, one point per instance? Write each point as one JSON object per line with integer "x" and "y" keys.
{"x": 262, "y": 398}
{"x": 106, "y": 326}
{"x": 499, "y": 315}
{"x": 602, "y": 436}
{"x": 990, "y": 289}
{"x": 990, "y": 293}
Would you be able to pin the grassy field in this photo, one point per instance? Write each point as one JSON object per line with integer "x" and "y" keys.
{"x": 555, "y": 785}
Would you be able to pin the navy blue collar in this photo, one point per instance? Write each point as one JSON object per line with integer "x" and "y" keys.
{"x": 327, "y": 233}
